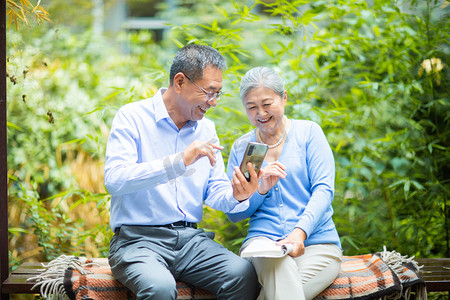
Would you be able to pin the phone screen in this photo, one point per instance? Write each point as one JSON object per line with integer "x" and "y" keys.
{"x": 255, "y": 154}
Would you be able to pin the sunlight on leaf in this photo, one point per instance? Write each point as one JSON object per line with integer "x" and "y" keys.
{"x": 24, "y": 9}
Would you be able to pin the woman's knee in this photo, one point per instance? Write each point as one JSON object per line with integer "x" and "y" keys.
{"x": 264, "y": 265}
{"x": 315, "y": 281}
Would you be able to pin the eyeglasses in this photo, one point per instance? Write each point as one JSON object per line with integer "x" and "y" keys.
{"x": 210, "y": 96}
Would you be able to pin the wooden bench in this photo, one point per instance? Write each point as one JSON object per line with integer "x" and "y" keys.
{"x": 17, "y": 283}
{"x": 435, "y": 272}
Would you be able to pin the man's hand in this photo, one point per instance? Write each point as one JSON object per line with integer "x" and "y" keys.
{"x": 271, "y": 174}
{"x": 296, "y": 237}
{"x": 243, "y": 189}
{"x": 197, "y": 149}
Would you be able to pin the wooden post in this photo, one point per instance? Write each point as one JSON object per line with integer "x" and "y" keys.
{"x": 4, "y": 259}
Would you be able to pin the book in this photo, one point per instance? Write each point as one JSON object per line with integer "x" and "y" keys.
{"x": 264, "y": 247}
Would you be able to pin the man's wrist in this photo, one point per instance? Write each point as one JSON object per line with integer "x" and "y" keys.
{"x": 186, "y": 158}
{"x": 241, "y": 200}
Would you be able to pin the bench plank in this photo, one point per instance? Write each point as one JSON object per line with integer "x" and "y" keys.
{"x": 436, "y": 273}
{"x": 17, "y": 283}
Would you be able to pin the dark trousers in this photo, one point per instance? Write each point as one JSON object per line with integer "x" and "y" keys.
{"x": 149, "y": 259}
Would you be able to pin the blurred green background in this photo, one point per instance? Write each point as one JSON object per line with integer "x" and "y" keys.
{"x": 373, "y": 74}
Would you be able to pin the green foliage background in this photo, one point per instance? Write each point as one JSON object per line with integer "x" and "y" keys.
{"x": 375, "y": 77}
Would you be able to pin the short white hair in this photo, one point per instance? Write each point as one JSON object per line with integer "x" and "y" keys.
{"x": 261, "y": 77}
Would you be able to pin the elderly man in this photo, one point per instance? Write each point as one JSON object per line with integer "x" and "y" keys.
{"x": 162, "y": 163}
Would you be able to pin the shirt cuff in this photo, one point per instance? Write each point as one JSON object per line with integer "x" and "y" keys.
{"x": 245, "y": 204}
{"x": 174, "y": 166}
{"x": 240, "y": 206}
{"x": 181, "y": 164}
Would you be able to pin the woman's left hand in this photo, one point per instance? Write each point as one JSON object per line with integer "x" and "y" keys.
{"x": 297, "y": 237}
{"x": 271, "y": 174}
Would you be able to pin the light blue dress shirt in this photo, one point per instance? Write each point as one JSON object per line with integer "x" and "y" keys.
{"x": 145, "y": 173}
{"x": 303, "y": 199}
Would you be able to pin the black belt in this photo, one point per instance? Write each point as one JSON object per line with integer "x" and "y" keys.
{"x": 179, "y": 224}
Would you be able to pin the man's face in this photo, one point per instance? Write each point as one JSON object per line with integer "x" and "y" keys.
{"x": 194, "y": 104}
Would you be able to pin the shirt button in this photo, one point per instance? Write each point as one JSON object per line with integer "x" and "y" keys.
{"x": 283, "y": 222}
{"x": 281, "y": 205}
{"x": 276, "y": 189}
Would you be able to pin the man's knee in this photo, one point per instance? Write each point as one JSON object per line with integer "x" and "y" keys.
{"x": 158, "y": 289}
{"x": 241, "y": 281}
{"x": 147, "y": 280}
{"x": 243, "y": 270}
{"x": 150, "y": 285}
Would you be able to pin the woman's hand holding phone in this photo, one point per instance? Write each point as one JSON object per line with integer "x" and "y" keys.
{"x": 255, "y": 154}
{"x": 242, "y": 188}
{"x": 246, "y": 177}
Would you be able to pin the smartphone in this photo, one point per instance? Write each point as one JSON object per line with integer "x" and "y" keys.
{"x": 255, "y": 154}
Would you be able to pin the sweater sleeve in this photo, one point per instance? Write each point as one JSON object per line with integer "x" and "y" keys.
{"x": 321, "y": 170}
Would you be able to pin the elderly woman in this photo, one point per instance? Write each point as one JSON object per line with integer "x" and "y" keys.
{"x": 293, "y": 201}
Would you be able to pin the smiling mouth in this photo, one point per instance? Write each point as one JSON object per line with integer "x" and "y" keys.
{"x": 203, "y": 109}
{"x": 264, "y": 120}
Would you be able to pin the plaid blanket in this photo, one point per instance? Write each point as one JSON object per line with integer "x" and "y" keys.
{"x": 99, "y": 283}
{"x": 76, "y": 278}
{"x": 362, "y": 277}
{"x": 385, "y": 275}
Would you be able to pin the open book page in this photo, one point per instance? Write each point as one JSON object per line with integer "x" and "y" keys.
{"x": 265, "y": 247}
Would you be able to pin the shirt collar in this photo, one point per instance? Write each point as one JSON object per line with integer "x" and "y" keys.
{"x": 161, "y": 110}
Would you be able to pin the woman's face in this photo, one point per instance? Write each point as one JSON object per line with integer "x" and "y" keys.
{"x": 265, "y": 109}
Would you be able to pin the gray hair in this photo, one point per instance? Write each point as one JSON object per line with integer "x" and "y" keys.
{"x": 192, "y": 59}
{"x": 261, "y": 76}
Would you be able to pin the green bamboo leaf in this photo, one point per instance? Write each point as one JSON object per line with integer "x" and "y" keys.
{"x": 417, "y": 185}
{"x": 13, "y": 126}
{"x": 178, "y": 43}
{"x": 406, "y": 188}
{"x": 99, "y": 108}
{"x": 17, "y": 231}
{"x": 396, "y": 183}
{"x": 268, "y": 50}
{"x": 75, "y": 141}
{"x": 62, "y": 194}
{"x": 113, "y": 94}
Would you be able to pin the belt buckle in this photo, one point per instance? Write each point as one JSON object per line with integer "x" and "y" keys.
{"x": 181, "y": 224}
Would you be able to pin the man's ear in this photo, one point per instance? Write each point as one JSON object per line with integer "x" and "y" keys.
{"x": 178, "y": 81}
